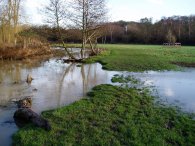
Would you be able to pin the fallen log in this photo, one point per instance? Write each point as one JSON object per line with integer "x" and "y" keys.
{"x": 72, "y": 60}
{"x": 24, "y": 116}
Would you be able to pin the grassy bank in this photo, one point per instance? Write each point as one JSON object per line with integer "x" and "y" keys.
{"x": 112, "y": 116}
{"x": 145, "y": 57}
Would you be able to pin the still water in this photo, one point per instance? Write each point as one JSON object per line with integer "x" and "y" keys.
{"x": 57, "y": 84}
{"x": 173, "y": 87}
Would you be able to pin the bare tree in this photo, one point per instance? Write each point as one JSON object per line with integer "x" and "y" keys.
{"x": 56, "y": 15}
{"x": 55, "y": 12}
{"x": 88, "y": 16}
{"x": 16, "y": 9}
{"x": 10, "y": 15}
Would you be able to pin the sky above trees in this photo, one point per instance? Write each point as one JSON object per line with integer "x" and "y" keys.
{"x": 137, "y": 9}
{"x": 128, "y": 10}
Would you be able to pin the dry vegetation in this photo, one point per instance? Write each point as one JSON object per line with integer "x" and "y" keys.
{"x": 14, "y": 45}
{"x": 24, "y": 49}
{"x": 21, "y": 53}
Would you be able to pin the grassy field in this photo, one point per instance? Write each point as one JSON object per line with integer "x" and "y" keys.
{"x": 145, "y": 57}
{"x": 112, "y": 116}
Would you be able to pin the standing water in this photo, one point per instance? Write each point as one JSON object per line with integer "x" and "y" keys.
{"x": 173, "y": 87}
{"x": 57, "y": 84}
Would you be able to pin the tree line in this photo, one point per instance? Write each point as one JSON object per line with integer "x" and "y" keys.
{"x": 85, "y": 22}
{"x": 168, "y": 29}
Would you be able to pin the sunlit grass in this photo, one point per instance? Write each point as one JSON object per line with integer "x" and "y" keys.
{"x": 112, "y": 116}
{"x": 144, "y": 57}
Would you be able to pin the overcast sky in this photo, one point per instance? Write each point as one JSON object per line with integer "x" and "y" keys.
{"x": 128, "y": 10}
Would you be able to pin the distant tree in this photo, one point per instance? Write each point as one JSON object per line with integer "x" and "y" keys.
{"x": 170, "y": 37}
{"x": 146, "y": 26}
{"x": 111, "y": 29}
{"x": 189, "y": 26}
{"x": 135, "y": 32}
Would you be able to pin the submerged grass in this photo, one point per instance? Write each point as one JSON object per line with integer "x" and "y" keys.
{"x": 145, "y": 57}
{"x": 122, "y": 79}
{"x": 112, "y": 116}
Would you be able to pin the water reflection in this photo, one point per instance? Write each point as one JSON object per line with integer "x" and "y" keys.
{"x": 172, "y": 86}
{"x": 61, "y": 86}
{"x": 12, "y": 83}
{"x": 55, "y": 84}
{"x": 169, "y": 92}
{"x": 76, "y": 52}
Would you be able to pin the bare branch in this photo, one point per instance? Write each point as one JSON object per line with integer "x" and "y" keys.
{"x": 88, "y": 15}
{"x": 56, "y": 14}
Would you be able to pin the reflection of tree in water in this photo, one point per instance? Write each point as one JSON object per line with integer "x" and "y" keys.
{"x": 61, "y": 81}
{"x": 12, "y": 78}
{"x": 87, "y": 76}
{"x": 71, "y": 83}
{"x": 11, "y": 71}
{"x": 84, "y": 78}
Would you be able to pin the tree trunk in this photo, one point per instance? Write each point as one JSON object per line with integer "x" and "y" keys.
{"x": 92, "y": 48}
{"x": 83, "y": 31}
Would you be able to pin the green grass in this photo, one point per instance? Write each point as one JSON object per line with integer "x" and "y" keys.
{"x": 144, "y": 57}
{"x": 112, "y": 116}
{"x": 122, "y": 79}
